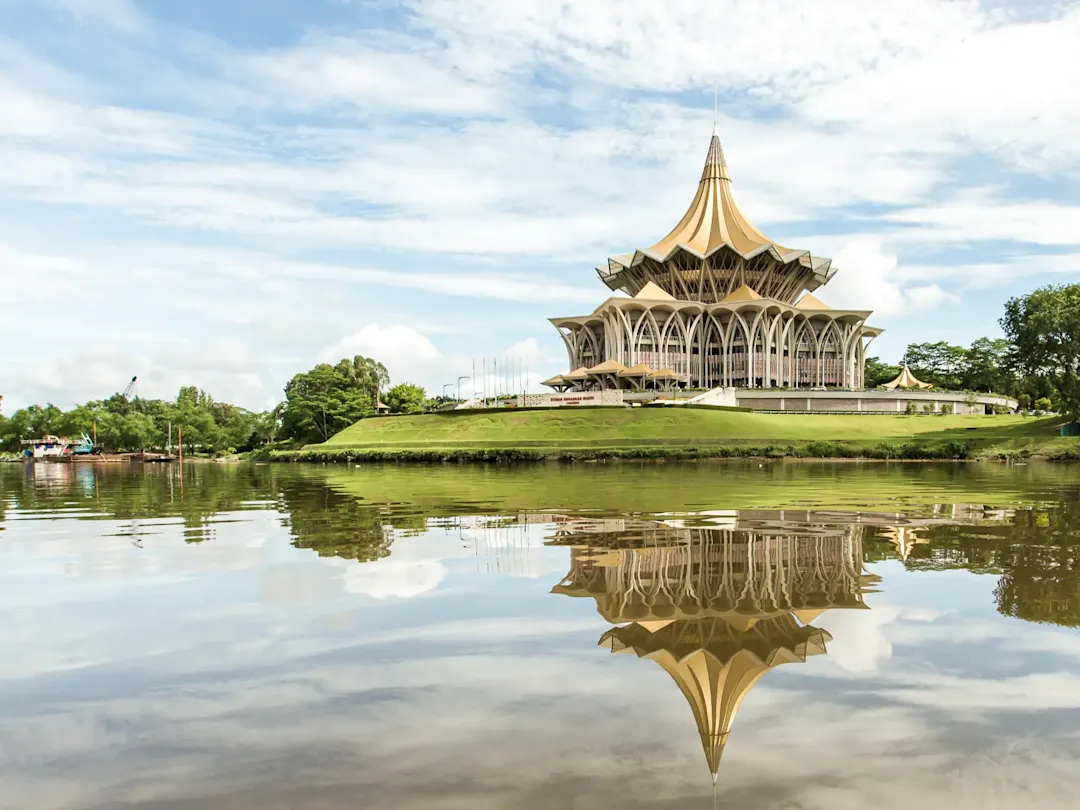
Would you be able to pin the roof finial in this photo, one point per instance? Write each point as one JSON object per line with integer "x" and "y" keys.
{"x": 715, "y": 108}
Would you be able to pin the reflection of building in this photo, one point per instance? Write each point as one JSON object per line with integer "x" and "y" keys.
{"x": 715, "y": 303}
{"x": 715, "y": 608}
{"x": 905, "y": 538}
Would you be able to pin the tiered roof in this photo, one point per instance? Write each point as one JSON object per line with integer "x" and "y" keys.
{"x": 714, "y": 223}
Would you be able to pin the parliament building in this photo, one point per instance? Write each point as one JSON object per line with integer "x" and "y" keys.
{"x": 713, "y": 304}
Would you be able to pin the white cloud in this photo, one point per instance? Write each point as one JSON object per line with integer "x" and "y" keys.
{"x": 496, "y": 154}
{"x": 398, "y": 76}
{"x": 860, "y": 643}
{"x": 869, "y": 278}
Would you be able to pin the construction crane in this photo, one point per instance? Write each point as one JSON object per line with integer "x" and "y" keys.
{"x": 132, "y": 390}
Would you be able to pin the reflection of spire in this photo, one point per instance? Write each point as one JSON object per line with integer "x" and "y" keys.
{"x": 715, "y": 665}
{"x": 717, "y": 608}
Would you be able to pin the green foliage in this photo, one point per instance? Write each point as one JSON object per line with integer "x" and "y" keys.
{"x": 1043, "y": 404}
{"x": 981, "y": 367}
{"x": 912, "y": 408}
{"x": 876, "y": 373}
{"x": 405, "y": 398}
{"x": 327, "y": 399}
{"x": 946, "y": 408}
{"x": 939, "y": 363}
{"x": 1044, "y": 328}
{"x": 209, "y": 427}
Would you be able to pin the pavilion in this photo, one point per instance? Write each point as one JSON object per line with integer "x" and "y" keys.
{"x": 905, "y": 379}
{"x": 715, "y": 303}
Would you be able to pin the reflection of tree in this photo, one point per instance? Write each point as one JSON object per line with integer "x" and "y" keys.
{"x": 1034, "y": 552}
{"x": 1040, "y": 583}
{"x": 333, "y": 524}
{"x": 196, "y": 493}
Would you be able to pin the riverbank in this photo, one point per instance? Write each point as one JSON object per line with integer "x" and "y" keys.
{"x": 686, "y": 433}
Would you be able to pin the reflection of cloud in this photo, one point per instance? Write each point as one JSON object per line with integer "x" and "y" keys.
{"x": 859, "y": 643}
{"x": 386, "y": 578}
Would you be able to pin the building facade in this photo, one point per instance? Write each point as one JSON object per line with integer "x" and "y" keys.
{"x": 715, "y": 304}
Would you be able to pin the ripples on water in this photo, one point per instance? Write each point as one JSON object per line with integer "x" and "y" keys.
{"x": 806, "y": 635}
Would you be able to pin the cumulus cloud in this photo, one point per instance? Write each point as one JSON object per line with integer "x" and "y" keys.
{"x": 495, "y": 155}
{"x": 869, "y": 278}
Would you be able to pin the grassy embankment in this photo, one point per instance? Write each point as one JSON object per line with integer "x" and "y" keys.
{"x": 687, "y": 433}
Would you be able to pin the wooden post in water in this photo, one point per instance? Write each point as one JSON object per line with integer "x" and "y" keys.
{"x": 180, "y": 441}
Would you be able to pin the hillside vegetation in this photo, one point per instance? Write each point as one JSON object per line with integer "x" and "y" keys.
{"x": 678, "y": 430}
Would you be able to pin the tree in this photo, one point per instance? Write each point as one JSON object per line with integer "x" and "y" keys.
{"x": 940, "y": 363}
{"x": 1044, "y": 329}
{"x": 323, "y": 401}
{"x": 986, "y": 366}
{"x": 876, "y": 373}
{"x": 405, "y": 398}
{"x": 366, "y": 375}
{"x": 1043, "y": 404}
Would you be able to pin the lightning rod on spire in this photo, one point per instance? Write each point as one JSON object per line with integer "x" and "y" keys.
{"x": 715, "y": 109}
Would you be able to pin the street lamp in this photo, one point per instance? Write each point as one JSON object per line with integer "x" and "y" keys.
{"x": 447, "y": 385}
{"x": 459, "y": 379}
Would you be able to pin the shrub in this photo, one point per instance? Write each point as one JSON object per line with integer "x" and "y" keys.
{"x": 912, "y": 408}
{"x": 928, "y": 407}
{"x": 946, "y": 408}
{"x": 1043, "y": 404}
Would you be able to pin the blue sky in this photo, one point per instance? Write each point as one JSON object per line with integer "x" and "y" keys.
{"x": 224, "y": 193}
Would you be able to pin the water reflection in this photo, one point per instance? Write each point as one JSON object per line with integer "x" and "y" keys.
{"x": 715, "y": 607}
{"x": 412, "y": 650}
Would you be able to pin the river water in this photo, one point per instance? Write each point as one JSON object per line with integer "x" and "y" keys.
{"x": 744, "y": 635}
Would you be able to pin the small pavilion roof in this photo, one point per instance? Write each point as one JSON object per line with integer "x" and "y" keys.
{"x": 577, "y": 374}
{"x": 905, "y": 379}
{"x": 666, "y": 374}
{"x": 809, "y": 301}
{"x": 558, "y": 379}
{"x": 743, "y": 293}
{"x": 637, "y": 370}
{"x": 652, "y": 292}
{"x": 608, "y": 367}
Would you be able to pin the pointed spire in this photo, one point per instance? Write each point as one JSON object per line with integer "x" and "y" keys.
{"x": 715, "y": 163}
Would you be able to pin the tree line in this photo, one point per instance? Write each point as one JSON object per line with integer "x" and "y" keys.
{"x": 1038, "y": 360}
{"x": 318, "y": 403}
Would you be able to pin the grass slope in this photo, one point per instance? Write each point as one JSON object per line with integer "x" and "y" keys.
{"x": 628, "y": 488}
{"x": 624, "y": 429}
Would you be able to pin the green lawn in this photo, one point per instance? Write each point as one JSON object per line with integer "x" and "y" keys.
{"x": 675, "y": 427}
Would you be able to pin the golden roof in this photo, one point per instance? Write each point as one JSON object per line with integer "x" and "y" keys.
{"x": 905, "y": 379}
{"x": 556, "y": 380}
{"x": 666, "y": 374}
{"x": 743, "y": 293}
{"x": 713, "y": 218}
{"x": 577, "y": 374}
{"x": 809, "y": 301}
{"x": 715, "y": 665}
{"x": 608, "y": 367}
{"x": 904, "y": 538}
{"x": 652, "y": 292}
{"x": 637, "y": 370}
